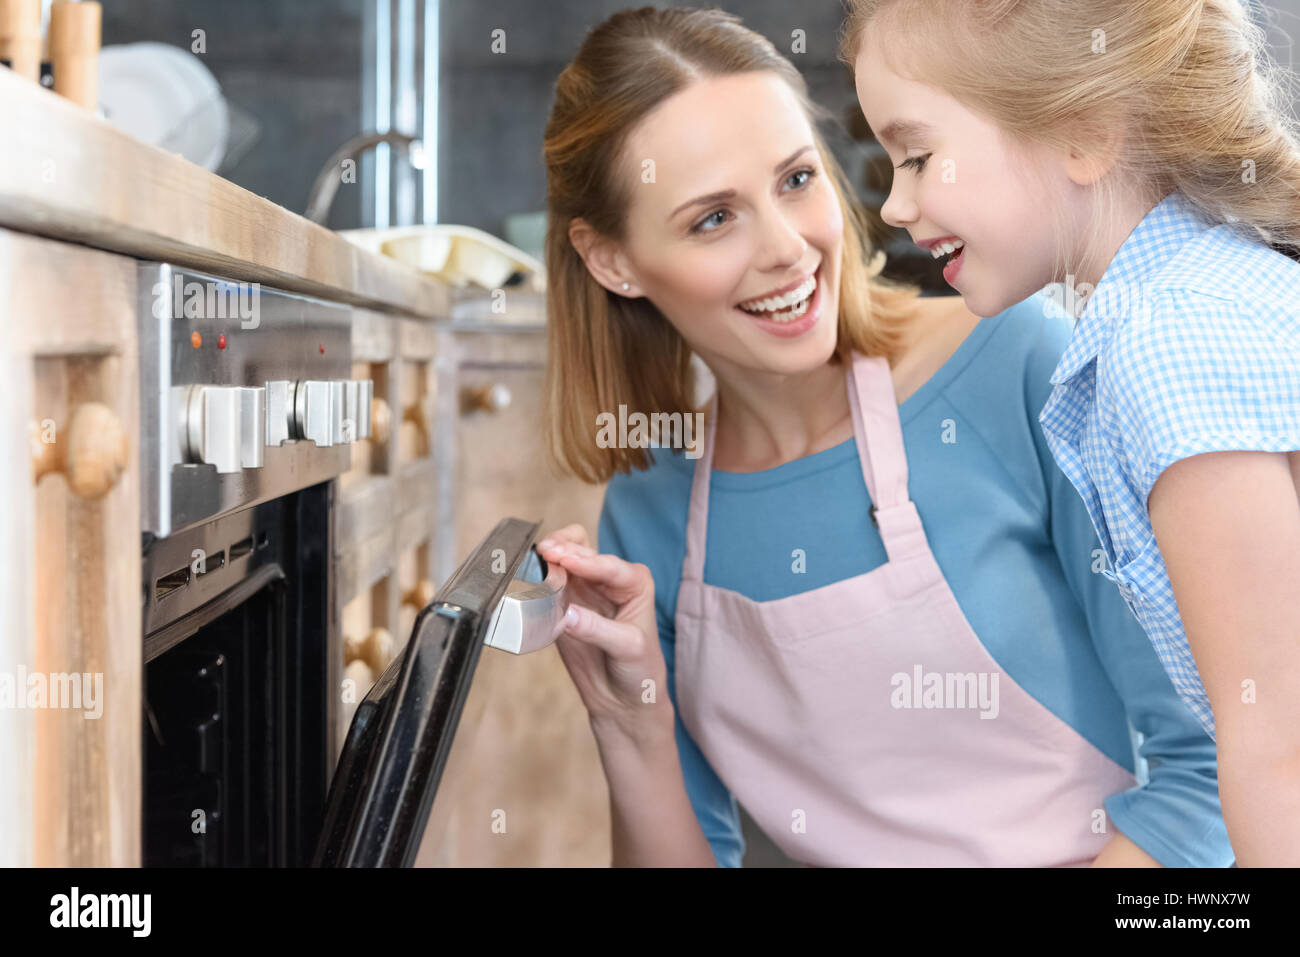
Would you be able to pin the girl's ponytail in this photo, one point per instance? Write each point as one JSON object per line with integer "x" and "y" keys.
{"x": 1224, "y": 131}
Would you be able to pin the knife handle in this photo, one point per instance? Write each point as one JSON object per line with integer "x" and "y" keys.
{"x": 74, "y": 50}
{"x": 20, "y": 37}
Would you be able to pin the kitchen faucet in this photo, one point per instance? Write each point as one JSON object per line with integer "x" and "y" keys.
{"x": 327, "y": 180}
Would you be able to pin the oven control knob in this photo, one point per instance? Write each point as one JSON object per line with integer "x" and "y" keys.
{"x": 365, "y": 396}
{"x": 279, "y": 412}
{"x": 347, "y": 432}
{"x": 319, "y": 411}
{"x": 223, "y": 426}
{"x": 331, "y": 412}
{"x": 356, "y": 410}
{"x": 355, "y": 423}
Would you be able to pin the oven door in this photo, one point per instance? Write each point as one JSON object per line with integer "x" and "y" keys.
{"x": 503, "y": 595}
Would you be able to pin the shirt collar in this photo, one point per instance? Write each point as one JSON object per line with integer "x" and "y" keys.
{"x": 1162, "y": 231}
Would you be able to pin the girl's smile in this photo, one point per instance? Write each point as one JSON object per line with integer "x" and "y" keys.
{"x": 960, "y": 182}
{"x": 951, "y": 246}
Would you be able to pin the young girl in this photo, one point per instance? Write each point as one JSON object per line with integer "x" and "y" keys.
{"x": 1137, "y": 151}
{"x": 877, "y": 625}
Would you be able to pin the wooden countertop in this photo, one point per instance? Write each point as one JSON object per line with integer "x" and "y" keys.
{"x": 66, "y": 174}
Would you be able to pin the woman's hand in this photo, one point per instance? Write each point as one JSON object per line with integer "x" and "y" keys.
{"x": 614, "y": 659}
{"x": 617, "y": 664}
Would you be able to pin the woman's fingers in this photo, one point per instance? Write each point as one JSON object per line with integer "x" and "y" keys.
{"x": 618, "y": 579}
{"x": 565, "y": 548}
{"x": 575, "y": 534}
{"x": 618, "y": 639}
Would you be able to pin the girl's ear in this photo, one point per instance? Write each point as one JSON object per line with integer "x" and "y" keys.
{"x": 602, "y": 258}
{"x": 1085, "y": 170}
{"x": 1086, "y": 167}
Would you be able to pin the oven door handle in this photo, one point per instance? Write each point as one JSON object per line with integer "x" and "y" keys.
{"x": 530, "y": 615}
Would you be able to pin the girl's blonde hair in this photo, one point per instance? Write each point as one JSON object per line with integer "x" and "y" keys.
{"x": 605, "y": 350}
{"x": 1188, "y": 83}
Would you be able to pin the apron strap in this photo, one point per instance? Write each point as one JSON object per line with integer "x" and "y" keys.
{"x": 697, "y": 522}
{"x": 879, "y": 435}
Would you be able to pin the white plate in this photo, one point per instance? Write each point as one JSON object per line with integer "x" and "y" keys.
{"x": 459, "y": 255}
{"x": 165, "y": 96}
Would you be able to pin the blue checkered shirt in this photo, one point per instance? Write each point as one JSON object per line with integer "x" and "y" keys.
{"x": 1190, "y": 343}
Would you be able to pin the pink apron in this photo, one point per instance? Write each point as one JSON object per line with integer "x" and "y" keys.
{"x": 863, "y": 723}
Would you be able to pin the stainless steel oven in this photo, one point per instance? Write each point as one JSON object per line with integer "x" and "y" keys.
{"x": 247, "y": 414}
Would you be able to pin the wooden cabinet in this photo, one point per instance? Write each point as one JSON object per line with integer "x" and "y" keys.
{"x": 70, "y": 650}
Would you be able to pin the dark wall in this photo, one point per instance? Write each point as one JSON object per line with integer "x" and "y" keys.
{"x": 494, "y": 106}
{"x": 293, "y": 65}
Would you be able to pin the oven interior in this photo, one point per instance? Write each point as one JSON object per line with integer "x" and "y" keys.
{"x": 236, "y": 709}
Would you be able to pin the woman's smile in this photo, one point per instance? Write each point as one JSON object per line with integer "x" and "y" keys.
{"x": 790, "y": 314}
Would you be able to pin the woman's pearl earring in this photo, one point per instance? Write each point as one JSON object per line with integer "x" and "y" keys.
{"x": 626, "y": 286}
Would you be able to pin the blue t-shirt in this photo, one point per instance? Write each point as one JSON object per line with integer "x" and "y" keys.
{"x": 1014, "y": 542}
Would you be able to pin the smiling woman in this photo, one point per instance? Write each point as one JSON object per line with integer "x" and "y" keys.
{"x": 678, "y": 226}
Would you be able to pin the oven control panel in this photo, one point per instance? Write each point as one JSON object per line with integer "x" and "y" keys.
{"x": 229, "y": 427}
{"x": 246, "y": 395}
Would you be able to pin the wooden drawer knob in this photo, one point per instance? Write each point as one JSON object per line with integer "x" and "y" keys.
{"x": 91, "y": 453}
{"x": 485, "y": 398}
{"x": 376, "y": 649}
{"x": 417, "y": 415}
{"x": 381, "y": 421}
{"x": 419, "y": 596}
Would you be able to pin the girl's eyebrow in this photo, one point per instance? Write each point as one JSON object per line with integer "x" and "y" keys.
{"x": 730, "y": 193}
{"x": 901, "y": 129}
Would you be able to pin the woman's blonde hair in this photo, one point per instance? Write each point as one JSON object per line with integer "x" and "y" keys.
{"x": 605, "y": 350}
{"x": 1188, "y": 84}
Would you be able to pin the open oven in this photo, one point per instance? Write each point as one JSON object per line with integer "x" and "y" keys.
{"x": 241, "y": 448}
{"x": 237, "y": 769}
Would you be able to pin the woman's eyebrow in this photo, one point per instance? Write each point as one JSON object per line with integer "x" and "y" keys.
{"x": 901, "y": 129}
{"x": 729, "y": 193}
